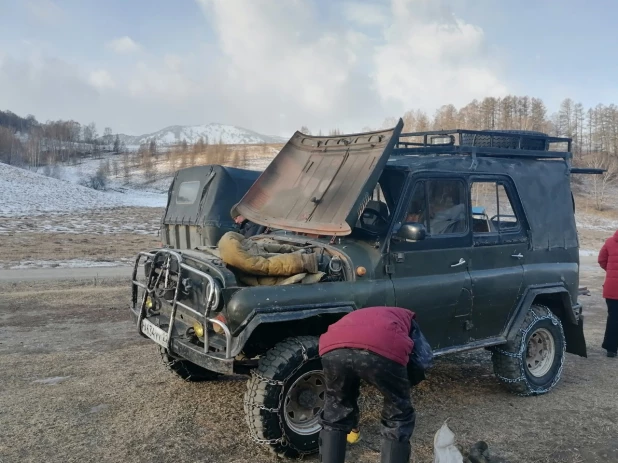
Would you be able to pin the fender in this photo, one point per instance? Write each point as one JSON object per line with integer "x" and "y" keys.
{"x": 572, "y": 325}
{"x": 261, "y": 316}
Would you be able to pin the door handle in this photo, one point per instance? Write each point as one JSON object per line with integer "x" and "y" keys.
{"x": 461, "y": 262}
{"x": 518, "y": 256}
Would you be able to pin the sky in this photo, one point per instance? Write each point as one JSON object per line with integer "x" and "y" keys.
{"x": 275, "y": 65}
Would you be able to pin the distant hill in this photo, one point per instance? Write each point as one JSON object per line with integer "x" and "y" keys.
{"x": 211, "y": 133}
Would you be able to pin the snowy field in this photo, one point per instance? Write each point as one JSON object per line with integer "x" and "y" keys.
{"x": 24, "y": 193}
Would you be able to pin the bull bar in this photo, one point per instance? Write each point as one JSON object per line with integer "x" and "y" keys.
{"x": 220, "y": 362}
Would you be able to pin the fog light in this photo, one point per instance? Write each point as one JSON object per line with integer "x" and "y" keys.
{"x": 217, "y": 327}
{"x": 198, "y": 328}
{"x": 149, "y": 303}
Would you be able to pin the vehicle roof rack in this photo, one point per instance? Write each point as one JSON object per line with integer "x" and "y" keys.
{"x": 488, "y": 143}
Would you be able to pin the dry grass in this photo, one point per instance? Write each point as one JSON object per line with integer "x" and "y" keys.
{"x": 115, "y": 402}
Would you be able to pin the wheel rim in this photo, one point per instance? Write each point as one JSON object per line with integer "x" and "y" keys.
{"x": 540, "y": 352}
{"x": 304, "y": 403}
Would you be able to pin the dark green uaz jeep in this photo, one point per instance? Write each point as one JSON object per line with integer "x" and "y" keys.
{"x": 474, "y": 231}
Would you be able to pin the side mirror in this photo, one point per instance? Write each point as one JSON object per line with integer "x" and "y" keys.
{"x": 412, "y": 231}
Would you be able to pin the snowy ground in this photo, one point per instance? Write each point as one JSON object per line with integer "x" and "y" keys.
{"x": 24, "y": 194}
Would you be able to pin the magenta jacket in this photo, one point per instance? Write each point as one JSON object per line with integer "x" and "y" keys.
{"x": 608, "y": 260}
{"x": 382, "y": 330}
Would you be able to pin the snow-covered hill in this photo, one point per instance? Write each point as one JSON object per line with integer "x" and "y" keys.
{"x": 26, "y": 193}
{"x": 211, "y": 133}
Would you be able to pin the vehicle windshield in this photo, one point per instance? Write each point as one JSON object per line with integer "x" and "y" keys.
{"x": 377, "y": 214}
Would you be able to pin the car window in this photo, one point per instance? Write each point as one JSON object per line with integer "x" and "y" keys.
{"x": 492, "y": 209}
{"x": 440, "y": 205}
{"x": 187, "y": 192}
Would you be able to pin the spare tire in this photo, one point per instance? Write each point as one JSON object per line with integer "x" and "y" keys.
{"x": 504, "y": 141}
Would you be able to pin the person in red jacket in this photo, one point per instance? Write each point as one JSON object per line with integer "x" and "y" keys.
{"x": 373, "y": 344}
{"x": 608, "y": 260}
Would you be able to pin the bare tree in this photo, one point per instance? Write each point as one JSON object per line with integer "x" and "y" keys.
{"x": 116, "y": 147}
{"x": 108, "y": 138}
{"x": 608, "y": 163}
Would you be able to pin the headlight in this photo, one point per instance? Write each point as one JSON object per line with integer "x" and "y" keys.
{"x": 217, "y": 327}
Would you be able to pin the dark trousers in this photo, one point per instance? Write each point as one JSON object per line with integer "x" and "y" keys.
{"x": 343, "y": 370}
{"x": 610, "y": 343}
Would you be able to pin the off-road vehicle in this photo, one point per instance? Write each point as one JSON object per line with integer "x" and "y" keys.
{"x": 472, "y": 230}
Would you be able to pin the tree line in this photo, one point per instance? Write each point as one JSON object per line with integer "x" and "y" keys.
{"x": 28, "y": 142}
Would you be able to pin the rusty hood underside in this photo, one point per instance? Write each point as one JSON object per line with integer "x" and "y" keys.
{"x": 319, "y": 185}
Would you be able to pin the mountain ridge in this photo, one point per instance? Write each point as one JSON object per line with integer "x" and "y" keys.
{"x": 211, "y": 133}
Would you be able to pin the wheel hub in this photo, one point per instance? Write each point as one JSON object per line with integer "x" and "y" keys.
{"x": 304, "y": 402}
{"x": 540, "y": 352}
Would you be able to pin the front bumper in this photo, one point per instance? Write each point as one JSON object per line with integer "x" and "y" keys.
{"x": 220, "y": 360}
{"x": 193, "y": 353}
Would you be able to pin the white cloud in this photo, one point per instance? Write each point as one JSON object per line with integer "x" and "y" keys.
{"x": 391, "y": 57}
{"x": 124, "y": 45}
{"x": 101, "y": 79}
{"x": 365, "y": 13}
{"x": 45, "y": 10}
{"x": 272, "y": 67}
{"x": 433, "y": 59}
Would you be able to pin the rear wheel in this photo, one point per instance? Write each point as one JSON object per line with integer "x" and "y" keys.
{"x": 285, "y": 397}
{"x": 531, "y": 364}
{"x": 185, "y": 369}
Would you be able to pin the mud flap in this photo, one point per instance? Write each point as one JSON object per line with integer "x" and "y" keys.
{"x": 574, "y": 336}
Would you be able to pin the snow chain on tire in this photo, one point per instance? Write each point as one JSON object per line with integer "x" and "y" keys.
{"x": 535, "y": 314}
{"x": 255, "y": 376}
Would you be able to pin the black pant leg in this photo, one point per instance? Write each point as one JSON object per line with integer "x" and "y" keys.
{"x": 391, "y": 379}
{"x": 342, "y": 389}
{"x": 610, "y": 343}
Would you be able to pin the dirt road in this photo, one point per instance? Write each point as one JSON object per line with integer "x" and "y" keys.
{"x": 46, "y": 274}
{"x": 78, "y": 385}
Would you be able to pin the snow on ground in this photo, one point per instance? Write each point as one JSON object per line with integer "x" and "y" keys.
{"x": 588, "y": 253}
{"x": 71, "y": 263}
{"x": 589, "y": 221}
{"x": 26, "y": 193}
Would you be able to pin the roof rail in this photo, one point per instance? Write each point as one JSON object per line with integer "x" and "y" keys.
{"x": 489, "y": 143}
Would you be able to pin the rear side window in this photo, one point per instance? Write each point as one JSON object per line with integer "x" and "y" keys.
{"x": 492, "y": 209}
{"x": 187, "y": 192}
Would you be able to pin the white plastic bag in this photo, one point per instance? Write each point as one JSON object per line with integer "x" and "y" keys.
{"x": 444, "y": 447}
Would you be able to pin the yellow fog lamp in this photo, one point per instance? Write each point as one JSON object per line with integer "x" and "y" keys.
{"x": 149, "y": 303}
{"x": 198, "y": 328}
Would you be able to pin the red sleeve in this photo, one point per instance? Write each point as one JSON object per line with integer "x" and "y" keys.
{"x": 603, "y": 257}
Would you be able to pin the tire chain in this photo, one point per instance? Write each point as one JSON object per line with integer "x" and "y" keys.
{"x": 273, "y": 382}
{"x": 520, "y": 355}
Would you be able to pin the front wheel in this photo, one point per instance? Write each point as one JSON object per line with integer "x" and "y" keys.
{"x": 531, "y": 364}
{"x": 285, "y": 397}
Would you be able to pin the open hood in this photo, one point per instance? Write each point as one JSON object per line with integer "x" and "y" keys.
{"x": 319, "y": 185}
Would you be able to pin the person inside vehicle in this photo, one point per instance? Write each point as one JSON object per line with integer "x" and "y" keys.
{"x": 247, "y": 228}
{"x": 448, "y": 211}
{"x": 377, "y": 345}
{"x": 608, "y": 260}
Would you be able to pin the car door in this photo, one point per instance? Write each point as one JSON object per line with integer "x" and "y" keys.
{"x": 498, "y": 252}
{"x": 430, "y": 276}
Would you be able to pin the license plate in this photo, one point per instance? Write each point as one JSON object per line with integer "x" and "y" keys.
{"x": 154, "y": 332}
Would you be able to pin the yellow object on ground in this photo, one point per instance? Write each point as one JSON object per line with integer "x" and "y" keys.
{"x": 353, "y": 437}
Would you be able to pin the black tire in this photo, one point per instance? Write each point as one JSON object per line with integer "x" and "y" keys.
{"x": 505, "y": 141}
{"x": 515, "y": 363}
{"x": 272, "y": 387}
{"x": 185, "y": 369}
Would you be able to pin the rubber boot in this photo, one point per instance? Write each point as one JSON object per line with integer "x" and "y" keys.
{"x": 332, "y": 446}
{"x": 395, "y": 452}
